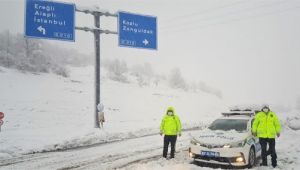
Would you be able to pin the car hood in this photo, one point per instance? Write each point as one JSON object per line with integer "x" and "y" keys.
{"x": 219, "y": 137}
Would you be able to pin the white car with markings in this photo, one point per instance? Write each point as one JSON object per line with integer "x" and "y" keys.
{"x": 227, "y": 141}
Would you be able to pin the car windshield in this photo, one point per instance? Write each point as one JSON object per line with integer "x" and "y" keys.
{"x": 229, "y": 124}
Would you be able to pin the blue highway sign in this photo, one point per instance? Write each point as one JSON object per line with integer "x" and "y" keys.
{"x": 137, "y": 31}
{"x": 50, "y": 20}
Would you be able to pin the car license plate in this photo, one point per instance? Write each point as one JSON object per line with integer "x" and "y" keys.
{"x": 210, "y": 154}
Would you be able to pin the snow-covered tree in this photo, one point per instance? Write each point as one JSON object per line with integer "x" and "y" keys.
{"x": 176, "y": 80}
{"x": 143, "y": 73}
{"x": 36, "y": 55}
{"x": 117, "y": 70}
{"x": 207, "y": 89}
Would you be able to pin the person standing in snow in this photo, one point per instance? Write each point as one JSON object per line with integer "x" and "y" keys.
{"x": 266, "y": 127}
{"x": 101, "y": 118}
{"x": 171, "y": 127}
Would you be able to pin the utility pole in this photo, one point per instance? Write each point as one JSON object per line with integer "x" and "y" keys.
{"x": 97, "y": 31}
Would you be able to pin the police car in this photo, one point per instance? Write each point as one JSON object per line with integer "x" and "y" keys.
{"x": 227, "y": 141}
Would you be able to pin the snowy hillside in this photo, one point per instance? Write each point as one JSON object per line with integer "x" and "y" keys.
{"x": 46, "y": 112}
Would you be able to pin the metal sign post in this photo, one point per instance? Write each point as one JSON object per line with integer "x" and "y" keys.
{"x": 97, "y": 32}
{"x": 53, "y": 20}
{"x": 97, "y": 68}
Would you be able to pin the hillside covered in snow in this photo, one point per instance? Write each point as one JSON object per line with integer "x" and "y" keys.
{"x": 45, "y": 112}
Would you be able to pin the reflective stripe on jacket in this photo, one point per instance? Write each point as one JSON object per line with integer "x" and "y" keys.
{"x": 266, "y": 125}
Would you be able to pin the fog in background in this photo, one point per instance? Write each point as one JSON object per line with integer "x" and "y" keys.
{"x": 247, "y": 49}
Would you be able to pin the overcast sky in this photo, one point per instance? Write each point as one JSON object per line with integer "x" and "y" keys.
{"x": 249, "y": 49}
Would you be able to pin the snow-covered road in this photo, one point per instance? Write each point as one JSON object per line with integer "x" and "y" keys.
{"x": 106, "y": 156}
{"x": 137, "y": 153}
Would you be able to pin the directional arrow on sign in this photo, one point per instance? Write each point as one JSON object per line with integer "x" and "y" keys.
{"x": 146, "y": 42}
{"x": 57, "y": 22}
{"x": 42, "y": 30}
{"x": 144, "y": 39}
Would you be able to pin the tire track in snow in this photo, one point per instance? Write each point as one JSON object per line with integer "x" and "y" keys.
{"x": 103, "y": 155}
{"x": 109, "y": 142}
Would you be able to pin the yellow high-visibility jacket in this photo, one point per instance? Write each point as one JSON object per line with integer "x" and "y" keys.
{"x": 266, "y": 125}
{"x": 170, "y": 125}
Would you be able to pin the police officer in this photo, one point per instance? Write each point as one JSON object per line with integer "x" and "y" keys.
{"x": 266, "y": 127}
{"x": 171, "y": 127}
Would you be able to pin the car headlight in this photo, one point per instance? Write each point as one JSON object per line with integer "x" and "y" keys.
{"x": 239, "y": 159}
{"x": 227, "y": 146}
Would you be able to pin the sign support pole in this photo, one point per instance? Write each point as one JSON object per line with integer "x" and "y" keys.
{"x": 97, "y": 32}
{"x": 145, "y": 24}
{"x": 97, "y": 68}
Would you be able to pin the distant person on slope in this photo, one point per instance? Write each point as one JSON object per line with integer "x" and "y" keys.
{"x": 101, "y": 118}
{"x": 266, "y": 127}
{"x": 171, "y": 127}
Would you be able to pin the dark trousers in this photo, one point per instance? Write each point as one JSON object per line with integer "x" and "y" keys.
{"x": 167, "y": 140}
{"x": 271, "y": 151}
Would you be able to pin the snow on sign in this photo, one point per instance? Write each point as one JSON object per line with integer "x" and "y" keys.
{"x": 137, "y": 31}
{"x": 50, "y": 20}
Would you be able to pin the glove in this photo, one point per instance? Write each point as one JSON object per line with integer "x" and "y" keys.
{"x": 254, "y": 133}
{"x": 161, "y": 133}
{"x": 179, "y": 134}
{"x": 278, "y": 135}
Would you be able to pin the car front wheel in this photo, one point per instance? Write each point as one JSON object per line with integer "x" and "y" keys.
{"x": 252, "y": 158}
